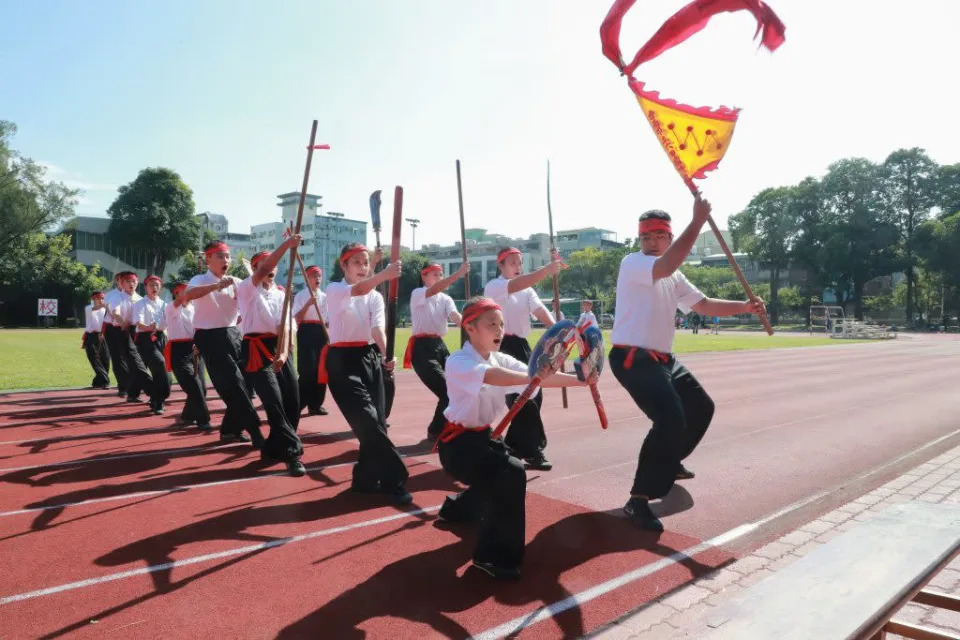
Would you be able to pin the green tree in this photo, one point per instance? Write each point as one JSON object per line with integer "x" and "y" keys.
{"x": 909, "y": 192}
{"x": 29, "y": 203}
{"x": 713, "y": 282}
{"x": 591, "y": 274}
{"x": 767, "y": 230}
{"x": 154, "y": 213}
{"x": 790, "y": 298}
{"x": 948, "y": 190}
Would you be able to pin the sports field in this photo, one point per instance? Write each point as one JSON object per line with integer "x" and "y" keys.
{"x": 52, "y": 358}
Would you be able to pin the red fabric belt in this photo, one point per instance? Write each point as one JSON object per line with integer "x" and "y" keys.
{"x": 168, "y": 351}
{"x": 656, "y": 356}
{"x": 260, "y": 354}
{"x": 452, "y": 430}
{"x": 408, "y": 354}
{"x": 322, "y": 376}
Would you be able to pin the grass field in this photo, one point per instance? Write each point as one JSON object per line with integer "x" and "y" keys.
{"x": 49, "y": 358}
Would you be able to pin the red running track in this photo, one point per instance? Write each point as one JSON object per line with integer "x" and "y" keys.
{"x": 114, "y": 524}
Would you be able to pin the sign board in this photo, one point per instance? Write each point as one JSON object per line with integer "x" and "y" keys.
{"x": 47, "y": 307}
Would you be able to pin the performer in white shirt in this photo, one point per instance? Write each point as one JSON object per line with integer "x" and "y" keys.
{"x": 354, "y": 360}
{"x": 513, "y": 291}
{"x": 94, "y": 342}
{"x": 587, "y": 318}
{"x": 180, "y": 358}
{"x": 151, "y": 341}
{"x": 427, "y": 353}
{"x": 272, "y": 373}
{"x": 217, "y": 338}
{"x": 649, "y": 289}
{"x": 122, "y": 316}
{"x": 311, "y": 338}
{"x": 478, "y": 379}
{"x": 111, "y": 333}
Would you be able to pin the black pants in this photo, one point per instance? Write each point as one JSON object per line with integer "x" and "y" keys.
{"x": 99, "y": 357}
{"x": 678, "y": 407}
{"x": 120, "y": 346}
{"x": 497, "y": 493}
{"x": 356, "y": 382}
{"x": 185, "y": 370}
{"x": 310, "y": 340}
{"x": 139, "y": 376}
{"x": 525, "y": 436}
{"x": 220, "y": 349}
{"x": 280, "y": 397}
{"x": 429, "y": 358}
{"x": 157, "y": 381}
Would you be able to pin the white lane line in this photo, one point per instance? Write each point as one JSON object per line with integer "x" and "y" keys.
{"x": 213, "y": 446}
{"x": 546, "y": 612}
{"x": 157, "y": 492}
{"x": 236, "y": 551}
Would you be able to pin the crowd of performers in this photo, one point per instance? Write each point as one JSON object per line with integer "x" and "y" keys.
{"x": 232, "y": 326}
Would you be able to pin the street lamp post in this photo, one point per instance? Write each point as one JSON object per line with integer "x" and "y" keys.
{"x": 413, "y": 223}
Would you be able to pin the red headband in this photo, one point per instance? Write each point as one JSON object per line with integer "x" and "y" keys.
{"x": 96, "y": 294}
{"x": 217, "y": 248}
{"x": 129, "y": 276}
{"x": 655, "y": 224}
{"x": 178, "y": 288}
{"x": 503, "y": 255}
{"x": 477, "y": 309}
{"x": 150, "y": 278}
{"x": 257, "y": 257}
{"x": 431, "y": 267}
{"x": 352, "y": 252}
{"x": 314, "y": 269}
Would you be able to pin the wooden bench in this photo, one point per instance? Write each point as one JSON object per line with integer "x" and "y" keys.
{"x": 851, "y": 586}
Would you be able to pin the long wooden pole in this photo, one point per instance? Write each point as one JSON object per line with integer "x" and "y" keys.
{"x": 733, "y": 262}
{"x": 556, "y": 277}
{"x": 316, "y": 304}
{"x": 463, "y": 250}
{"x": 283, "y": 341}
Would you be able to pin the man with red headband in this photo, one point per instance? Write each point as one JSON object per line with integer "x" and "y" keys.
{"x": 123, "y": 313}
{"x": 151, "y": 341}
{"x": 311, "y": 338}
{"x": 513, "y": 291}
{"x": 217, "y": 338}
{"x": 430, "y": 311}
{"x": 272, "y": 373}
{"x": 649, "y": 290}
{"x": 94, "y": 343}
{"x": 180, "y": 358}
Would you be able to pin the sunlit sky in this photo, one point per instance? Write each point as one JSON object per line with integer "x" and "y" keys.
{"x": 224, "y": 92}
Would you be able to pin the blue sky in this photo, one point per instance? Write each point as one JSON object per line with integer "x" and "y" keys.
{"x": 224, "y": 93}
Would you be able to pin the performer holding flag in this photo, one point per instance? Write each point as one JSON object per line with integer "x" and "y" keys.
{"x": 649, "y": 289}
{"x": 355, "y": 362}
{"x": 430, "y": 310}
{"x": 513, "y": 292}
{"x": 94, "y": 343}
{"x": 479, "y": 377}
{"x": 311, "y": 338}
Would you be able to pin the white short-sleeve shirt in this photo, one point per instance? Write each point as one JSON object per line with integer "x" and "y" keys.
{"x": 303, "y": 299}
{"x": 111, "y": 299}
{"x": 473, "y": 403}
{"x": 517, "y": 307}
{"x": 179, "y": 321}
{"x": 646, "y": 307}
{"x": 260, "y": 308}
{"x": 587, "y": 318}
{"x": 352, "y": 318}
{"x": 147, "y": 311}
{"x": 217, "y": 309}
{"x": 125, "y": 304}
{"x": 429, "y": 314}
{"x": 93, "y": 318}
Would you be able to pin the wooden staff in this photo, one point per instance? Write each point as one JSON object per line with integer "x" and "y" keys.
{"x": 394, "y": 287}
{"x": 316, "y": 303}
{"x": 283, "y": 340}
{"x": 733, "y": 263}
{"x": 556, "y": 277}
{"x": 463, "y": 249}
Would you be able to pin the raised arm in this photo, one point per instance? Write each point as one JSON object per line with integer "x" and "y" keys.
{"x": 443, "y": 285}
{"x": 673, "y": 257}
{"x": 267, "y": 265}
{"x": 530, "y": 279}
{"x": 364, "y": 287}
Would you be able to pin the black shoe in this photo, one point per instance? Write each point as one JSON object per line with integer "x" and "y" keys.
{"x": 133, "y": 399}
{"x": 157, "y": 410}
{"x": 538, "y": 462}
{"x": 205, "y": 428}
{"x": 228, "y": 438}
{"x": 318, "y": 411}
{"x": 400, "y": 496}
{"x": 296, "y": 468}
{"x": 453, "y": 511}
{"x": 497, "y": 571}
{"x": 639, "y": 513}
{"x": 685, "y": 474}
